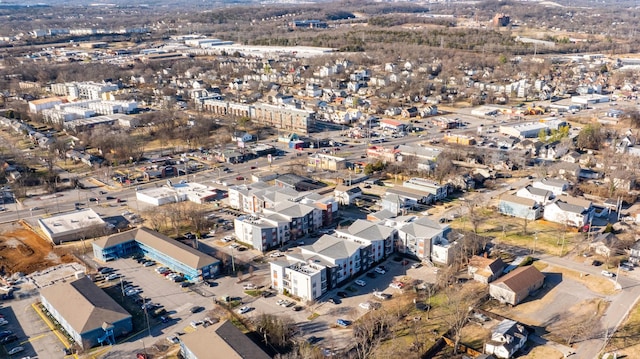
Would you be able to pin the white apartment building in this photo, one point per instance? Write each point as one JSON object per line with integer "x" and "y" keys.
{"x": 378, "y": 239}
{"x": 307, "y": 281}
{"x": 263, "y": 233}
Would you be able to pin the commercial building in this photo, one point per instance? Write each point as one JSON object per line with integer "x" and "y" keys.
{"x": 524, "y": 130}
{"x": 86, "y": 312}
{"x": 73, "y": 226}
{"x": 324, "y": 162}
{"x": 179, "y": 257}
{"x": 222, "y": 338}
{"x": 179, "y": 192}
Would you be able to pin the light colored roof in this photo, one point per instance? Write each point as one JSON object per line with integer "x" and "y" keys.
{"x": 292, "y": 209}
{"x": 83, "y": 305}
{"x": 553, "y": 182}
{"x": 223, "y": 339}
{"x": 163, "y": 244}
{"x": 538, "y": 191}
{"x": 332, "y": 247}
{"x": 46, "y": 100}
{"x": 369, "y": 230}
{"x": 422, "y": 228}
{"x": 520, "y": 278}
{"x": 519, "y": 200}
{"x": 71, "y": 221}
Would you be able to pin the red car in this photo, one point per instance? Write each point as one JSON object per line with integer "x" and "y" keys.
{"x": 240, "y": 178}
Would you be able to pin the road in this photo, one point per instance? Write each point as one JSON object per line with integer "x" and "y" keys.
{"x": 619, "y": 307}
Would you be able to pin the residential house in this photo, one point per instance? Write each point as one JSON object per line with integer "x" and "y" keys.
{"x": 539, "y": 195}
{"x": 605, "y": 244}
{"x": 506, "y": 339}
{"x": 346, "y": 195}
{"x": 520, "y": 207}
{"x": 556, "y": 186}
{"x": 634, "y": 253}
{"x": 485, "y": 270}
{"x": 241, "y": 137}
{"x": 515, "y": 286}
{"x": 573, "y": 211}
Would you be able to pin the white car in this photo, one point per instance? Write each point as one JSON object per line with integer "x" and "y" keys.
{"x": 249, "y": 286}
{"x": 360, "y": 282}
{"x": 380, "y": 270}
{"x": 276, "y": 255}
{"x": 607, "y": 274}
{"x": 244, "y": 310}
{"x": 365, "y": 305}
{"x": 3, "y": 322}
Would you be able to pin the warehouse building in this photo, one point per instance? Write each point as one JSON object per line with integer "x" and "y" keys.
{"x": 86, "y": 312}
{"x": 178, "y": 256}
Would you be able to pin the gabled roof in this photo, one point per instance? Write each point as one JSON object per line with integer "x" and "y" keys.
{"x": 369, "y": 230}
{"x": 518, "y": 200}
{"x": 332, "y": 247}
{"x": 520, "y": 279}
{"x": 538, "y": 191}
{"x": 83, "y": 304}
{"x": 292, "y": 209}
{"x": 495, "y": 265}
{"x": 422, "y": 228}
{"x": 163, "y": 244}
{"x": 223, "y": 339}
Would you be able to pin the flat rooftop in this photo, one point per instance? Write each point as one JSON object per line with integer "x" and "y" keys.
{"x": 71, "y": 221}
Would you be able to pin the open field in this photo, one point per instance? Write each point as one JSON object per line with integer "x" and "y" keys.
{"x": 541, "y": 235}
{"x": 22, "y": 250}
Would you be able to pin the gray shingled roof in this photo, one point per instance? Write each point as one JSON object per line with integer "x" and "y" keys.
{"x": 333, "y": 247}
{"x": 369, "y": 230}
{"x": 83, "y": 305}
{"x": 163, "y": 244}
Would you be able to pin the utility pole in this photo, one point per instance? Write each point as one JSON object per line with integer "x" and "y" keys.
{"x": 535, "y": 242}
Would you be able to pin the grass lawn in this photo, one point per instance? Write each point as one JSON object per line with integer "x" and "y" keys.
{"x": 545, "y": 236}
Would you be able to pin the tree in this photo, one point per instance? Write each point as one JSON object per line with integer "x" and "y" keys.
{"x": 275, "y": 330}
{"x": 459, "y": 301}
{"x": 370, "y": 331}
{"x": 590, "y": 137}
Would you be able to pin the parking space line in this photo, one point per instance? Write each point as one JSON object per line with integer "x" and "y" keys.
{"x": 34, "y": 338}
{"x": 62, "y": 339}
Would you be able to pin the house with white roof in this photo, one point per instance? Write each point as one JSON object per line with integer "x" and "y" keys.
{"x": 542, "y": 196}
{"x": 556, "y": 186}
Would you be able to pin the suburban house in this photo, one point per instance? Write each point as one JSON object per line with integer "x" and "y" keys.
{"x": 634, "y": 253}
{"x": 346, "y": 195}
{"x": 506, "y": 339}
{"x": 573, "y": 211}
{"x": 556, "y": 186}
{"x": 539, "y": 195}
{"x": 520, "y": 207}
{"x": 515, "y": 286}
{"x": 485, "y": 270}
{"x": 605, "y": 244}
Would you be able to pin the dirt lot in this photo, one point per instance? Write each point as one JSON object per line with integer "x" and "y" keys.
{"x": 22, "y": 250}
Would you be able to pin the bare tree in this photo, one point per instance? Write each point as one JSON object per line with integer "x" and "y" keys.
{"x": 459, "y": 302}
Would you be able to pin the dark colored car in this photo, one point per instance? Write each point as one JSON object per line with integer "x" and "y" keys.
{"x": 266, "y": 294}
{"x": 596, "y": 263}
{"x": 342, "y": 294}
{"x": 9, "y": 339}
{"x": 197, "y": 309}
{"x": 297, "y": 308}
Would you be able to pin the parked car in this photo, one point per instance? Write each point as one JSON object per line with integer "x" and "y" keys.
{"x": 297, "y": 308}
{"x": 380, "y": 270}
{"x": 283, "y": 303}
{"x": 244, "y": 309}
{"x": 360, "y": 282}
{"x": 276, "y": 255}
{"x": 15, "y": 350}
{"x": 196, "y": 309}
{"x": 9, "y": 339}
{"x": 608, "y": 274}
{"x": 149, "y": 263}
{"x": 416, "y": 265}
{"x": 112, "y": 276}
{"x": 397, "y": 285}
{"x": 596, "y": 263}
{"x": 343, "y": 322}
